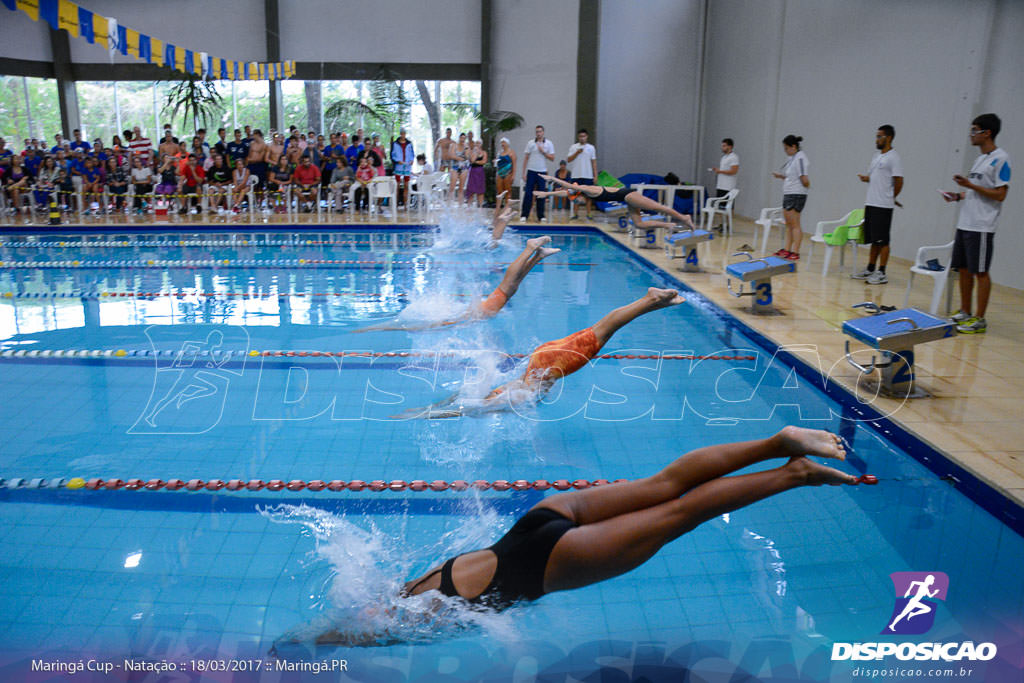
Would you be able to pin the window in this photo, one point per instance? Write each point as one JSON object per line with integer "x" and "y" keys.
{"x": 29, "y": 108}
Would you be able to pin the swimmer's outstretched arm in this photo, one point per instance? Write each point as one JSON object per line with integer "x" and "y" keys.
{"x": 589, "y": 190}
{"x": 508, "y": 396}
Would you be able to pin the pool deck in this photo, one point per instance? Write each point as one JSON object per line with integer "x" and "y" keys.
{"x": 975, "y": 381}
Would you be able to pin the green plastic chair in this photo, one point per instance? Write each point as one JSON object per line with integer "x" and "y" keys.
{"x": 848, "y": 229}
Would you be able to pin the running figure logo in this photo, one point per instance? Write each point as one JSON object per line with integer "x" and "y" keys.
{"x": 190, "y": 392}
{"x": 914, "y": 612}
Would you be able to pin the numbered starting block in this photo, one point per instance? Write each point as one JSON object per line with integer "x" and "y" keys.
{"x": 759, "y": 273}
{"x": 684, "y": 245}
{"x": 894, "y": 334}
{"x": 646, "y": 238}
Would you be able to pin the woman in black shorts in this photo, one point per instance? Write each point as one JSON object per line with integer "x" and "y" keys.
{"x": 577, "y": 538}
{"x": 794, "y": 195}
{"x": 634, "y": 199}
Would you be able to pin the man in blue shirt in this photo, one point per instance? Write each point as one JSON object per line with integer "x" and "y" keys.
{"x": 237, "y": 149}
{"x": 79, "y": 143}
{"x": 59, "y": 140}
{"x": 353, "y": 152}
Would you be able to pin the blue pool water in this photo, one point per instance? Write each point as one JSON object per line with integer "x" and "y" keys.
{"x": 191, "y": 577}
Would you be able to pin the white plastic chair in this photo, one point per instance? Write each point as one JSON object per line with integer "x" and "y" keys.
{"x": 944, "y": 254}
{"x": 715, "y": 206}
{"x": 423, "y": 191}
{"x": 769, "y": 218}
{"x": 825, "y": 227}
{"x": 384, "y": 187}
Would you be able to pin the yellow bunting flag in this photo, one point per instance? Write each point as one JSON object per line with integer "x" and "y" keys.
{"x": 133, "y": 42}
{"x": 179, "y": 58}
{"x": 68, "y": 17}
{"x": 156, "y": 47}
{"x": 100, "y": 30}
{"x": 30, "y": 7}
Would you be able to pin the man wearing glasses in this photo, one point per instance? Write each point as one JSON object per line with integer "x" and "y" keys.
{"x": 986, "y": 187}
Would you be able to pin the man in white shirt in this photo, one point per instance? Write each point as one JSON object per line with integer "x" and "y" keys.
{"x": 583, "y": 163}
{"x": 539, "y": 151}
{"x": 885, "y": 181}
{"x": 987, "y": 185}
{"x": 728, "y": 167}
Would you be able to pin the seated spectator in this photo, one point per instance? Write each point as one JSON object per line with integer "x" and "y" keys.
{"x": 278, "y": 182}
{"x": 142, "y": 183}
{"x": 425, "y": 166}
{"x": 117, "y": 182}
{"x": 239, "y": 184}
{"x": 5, "y": 155}
{"x": 342, "y": 178}
{"x": 92, "y": 183}
{"x": 307, "y": 181}
{"x": 379, "y": 153}
{"x": 218, "y": 181}
{"x": 364, "y": 176}
{"x": 46, "y": 180}
{"x": 168, "y": 176}
{"x": 65, "y": 189}
{"x": 16, "y": 183}
{"x": 190, "y": 183}
{"x": 32, "y": 161}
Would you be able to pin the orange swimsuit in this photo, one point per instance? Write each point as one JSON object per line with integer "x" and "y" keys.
{"x": 494, "y": 303}
{"x": 556, "y": 359}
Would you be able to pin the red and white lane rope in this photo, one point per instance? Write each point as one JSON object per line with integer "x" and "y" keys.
{"x": 316, "y": 485}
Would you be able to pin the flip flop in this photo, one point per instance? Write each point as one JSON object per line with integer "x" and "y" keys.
{"x": 792, "y": 256}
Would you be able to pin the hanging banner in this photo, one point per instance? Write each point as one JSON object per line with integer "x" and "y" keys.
{"x": 79, "y": 22}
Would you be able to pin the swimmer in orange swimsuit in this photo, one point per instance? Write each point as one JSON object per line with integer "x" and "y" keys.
{"x": 551, "y": 361}
{"x": 535, "y": 251}
{"x": 634, "y": 199}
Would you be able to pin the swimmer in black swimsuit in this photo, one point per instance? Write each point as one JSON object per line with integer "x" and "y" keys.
{"x": 634, "y": 199}
{"x": 577, "y": 538}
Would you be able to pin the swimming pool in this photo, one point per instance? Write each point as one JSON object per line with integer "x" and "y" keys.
{"x": 191, "y": 357}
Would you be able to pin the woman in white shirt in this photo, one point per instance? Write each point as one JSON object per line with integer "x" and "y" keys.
{"x": 794, "y": 195}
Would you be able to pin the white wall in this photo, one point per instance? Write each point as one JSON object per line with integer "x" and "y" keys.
{"x": 229, "y": 29}
{"x": 833, "y": 71}
{"x": 533, "y": 72}
{"x": 22, "y": 38}
{"x": 647, "y": 92}
{"x": 441, "y": 31}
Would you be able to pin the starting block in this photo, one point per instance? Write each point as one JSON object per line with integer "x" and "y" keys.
{"x": 646, "y": 238}
{"x": 686, "y": 243}
{"x": 895, "y": 334}
{"x": 759, "y": 273}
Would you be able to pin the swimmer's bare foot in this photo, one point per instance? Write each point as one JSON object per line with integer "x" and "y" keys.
{"x": 798, "y": 441}
{"x": 816, "y": 474}
{"x": 501, "y": 196}
{"x": 507, "y": 214}
{"x": 537, "y": 245}
{"x": 663, "y": 298}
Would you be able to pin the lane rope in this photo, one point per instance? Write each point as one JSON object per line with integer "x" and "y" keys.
{"x": 220, "y": 355}
{"x": 336, "y": 485}
{"x": 251, "y": 263}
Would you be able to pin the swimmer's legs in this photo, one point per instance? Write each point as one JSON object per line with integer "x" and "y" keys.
{"x": 638, "y": 201}
{"x": 595, "y": 552}
{"x": 652, "y": 301}
{"x": 689, "y": 471}
{"x": 534, "y": 252}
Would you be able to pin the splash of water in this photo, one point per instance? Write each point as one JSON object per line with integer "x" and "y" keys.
{"x": 361, "y": 604}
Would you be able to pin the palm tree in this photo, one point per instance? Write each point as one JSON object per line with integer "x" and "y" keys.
{"x": 197, "y": 99}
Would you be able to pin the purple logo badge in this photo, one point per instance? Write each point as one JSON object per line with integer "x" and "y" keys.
{"x": 916, "y": 596}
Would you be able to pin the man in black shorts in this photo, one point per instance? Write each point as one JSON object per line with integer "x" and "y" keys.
{"x": 985, "y": 189}
{"x": 885, "y": 180}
